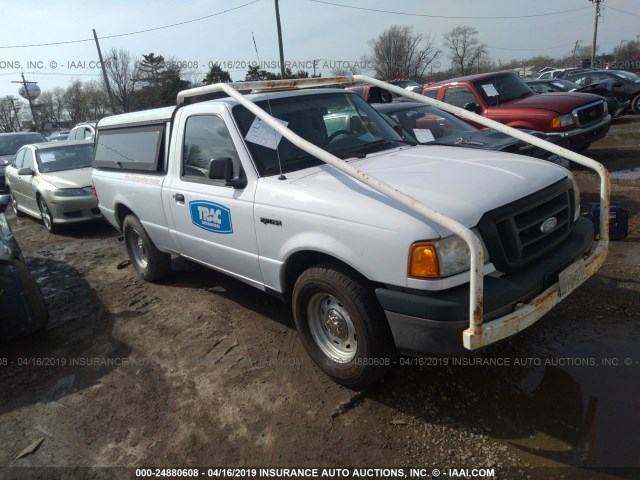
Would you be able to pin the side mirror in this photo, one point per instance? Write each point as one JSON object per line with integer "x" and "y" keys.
{"x": 25, "y": 171}
{"x": 222, "y": 169}
{"x": 473, "y": 107}
{"x": 617, "y": 83}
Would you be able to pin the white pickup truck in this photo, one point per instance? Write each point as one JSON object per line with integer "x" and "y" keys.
{"x": 381, "y": 246}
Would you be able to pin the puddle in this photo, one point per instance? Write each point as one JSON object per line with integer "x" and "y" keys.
{"x": 584, "y": 406}
{"x": 632, "y": 174}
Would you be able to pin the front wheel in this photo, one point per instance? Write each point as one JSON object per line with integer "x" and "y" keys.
{"x": 150, "y": 263}
{"x": 342, "y": 326}
{"x": 47, "y": 218}
{"x": 14, "y": 206}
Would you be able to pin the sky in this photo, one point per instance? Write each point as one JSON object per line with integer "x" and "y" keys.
{"x": 312, "y": 30}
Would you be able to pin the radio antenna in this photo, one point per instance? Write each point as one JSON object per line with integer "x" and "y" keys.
{"x": 275, "y": 134}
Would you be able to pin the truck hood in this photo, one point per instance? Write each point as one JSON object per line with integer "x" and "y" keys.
{"x": 558, "y": 102}
{"x": 78, "y": 178}
{"x": 464, "y": 184}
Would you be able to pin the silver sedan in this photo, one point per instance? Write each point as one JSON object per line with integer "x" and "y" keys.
{"x": 52, "y": 181}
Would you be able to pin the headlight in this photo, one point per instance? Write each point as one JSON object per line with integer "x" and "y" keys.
{"x": 576, "y": 200}
{"x": 70, "y": 192}
{"x": 562, "y": 121}
{"x": 441, "y": 258}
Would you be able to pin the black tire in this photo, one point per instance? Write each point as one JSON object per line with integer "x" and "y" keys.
{"x": 635, "y": 104}
{"x": 342, "y": 326}
{"x": 34, "y": 296}
{"x": 46, "y": 216}
{"x": 14, "y": 206}
{"x": 150, "y": 263}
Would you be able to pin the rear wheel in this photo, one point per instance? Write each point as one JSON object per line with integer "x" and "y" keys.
{"x": 150, "y": 263}
{"x": 342, "y": 326}
{"x": 47, "y": 218}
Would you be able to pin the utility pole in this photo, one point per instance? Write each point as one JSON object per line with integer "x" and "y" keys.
{"x": 595, "y": 31}
{"x": 104, "y": 73}
{"x": 282, "y": 73}
{"x": 26, "y": 92}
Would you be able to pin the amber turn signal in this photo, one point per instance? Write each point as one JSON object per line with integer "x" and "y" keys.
{"x": 423, "y": 261}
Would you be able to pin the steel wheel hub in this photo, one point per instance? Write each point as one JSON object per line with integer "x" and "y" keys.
{"x": 332, "y": 328}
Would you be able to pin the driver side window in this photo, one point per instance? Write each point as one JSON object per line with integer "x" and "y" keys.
{"x": 206, "y": 138}
{"x": 459, "y": 96}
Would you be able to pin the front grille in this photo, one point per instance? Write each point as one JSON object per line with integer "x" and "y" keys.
{"x": 73, "y": 214}
{"x": 589, "y": 113}
{"x": 513, "y": 233}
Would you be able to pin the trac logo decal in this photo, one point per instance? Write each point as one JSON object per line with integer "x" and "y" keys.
{"x": 211, "y": 216}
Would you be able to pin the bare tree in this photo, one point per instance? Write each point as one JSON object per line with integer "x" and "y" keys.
{"x": 9, "y": 108}
{"x": 400, "y": 53}
{"x": 95, "y": 100}
{"x": 73, "y": 101}
{"x": 121, "y": 70}
{"x": 465, "y": 49}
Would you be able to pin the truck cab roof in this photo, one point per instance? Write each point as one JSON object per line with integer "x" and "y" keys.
{"x": 164, "y": 114}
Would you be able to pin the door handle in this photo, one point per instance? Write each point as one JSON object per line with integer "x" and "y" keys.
{"x": 178, "y": 197}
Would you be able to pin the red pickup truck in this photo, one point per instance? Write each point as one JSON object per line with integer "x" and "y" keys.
{"x": 571, "y": 120}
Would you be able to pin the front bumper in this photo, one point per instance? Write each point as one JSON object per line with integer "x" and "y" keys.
{"x": 434, "y": 323}
{"x": 583, "y": 136}
{"x": 74, "y": 209}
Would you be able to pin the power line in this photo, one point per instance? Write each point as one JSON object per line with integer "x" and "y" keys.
{"x": 622, "y": 11}
{"x": 493, "y": 17}
{"x": 134, "y": 33}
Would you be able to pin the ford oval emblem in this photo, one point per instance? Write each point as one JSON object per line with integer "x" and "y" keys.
{"x": 549, "y": 225}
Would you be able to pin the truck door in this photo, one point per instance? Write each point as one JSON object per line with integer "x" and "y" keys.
{"x": 213, "y": 223}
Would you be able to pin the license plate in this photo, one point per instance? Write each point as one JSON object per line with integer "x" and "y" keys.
{"x": 571, "y": 277}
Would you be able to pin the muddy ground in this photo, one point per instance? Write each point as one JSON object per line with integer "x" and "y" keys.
{"x": 202, "y": 370}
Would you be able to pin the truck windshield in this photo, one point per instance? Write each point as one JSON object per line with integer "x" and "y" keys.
{"x": 340, "y": 123}
{"x": 502, "y": 88}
